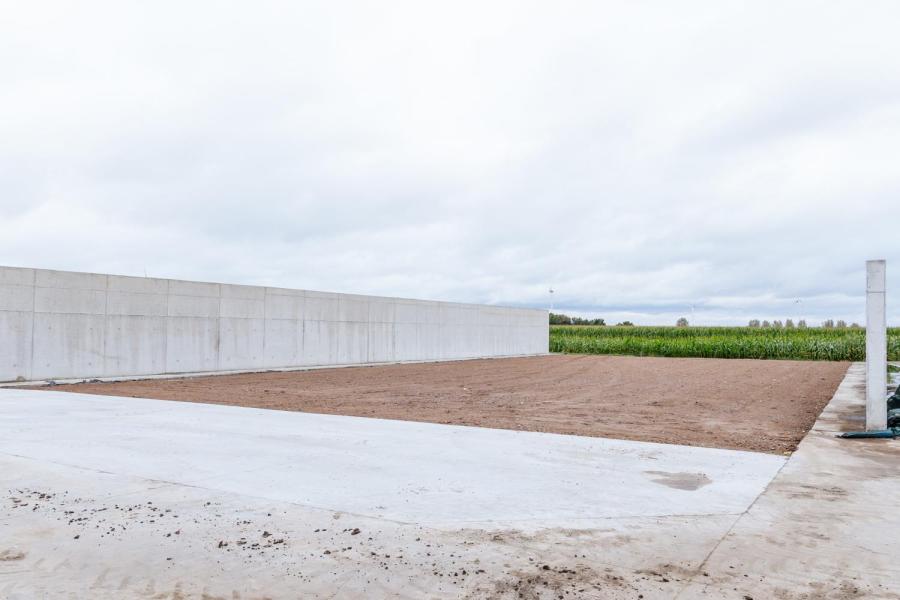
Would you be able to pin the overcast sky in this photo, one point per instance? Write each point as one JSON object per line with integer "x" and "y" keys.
{"x": 639, "y": 158}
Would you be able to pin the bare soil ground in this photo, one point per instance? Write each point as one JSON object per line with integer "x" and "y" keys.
{"x": 760, "y": 405}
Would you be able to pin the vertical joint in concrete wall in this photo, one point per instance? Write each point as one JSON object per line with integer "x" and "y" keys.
{"x": 876, "y": 346}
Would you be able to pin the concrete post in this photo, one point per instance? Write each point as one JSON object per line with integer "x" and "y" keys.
{"x": 876, "y": 346}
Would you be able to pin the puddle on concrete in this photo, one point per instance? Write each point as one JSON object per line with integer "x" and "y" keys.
{"x": 680, "y": 481}
{"x": 11, "y": 554}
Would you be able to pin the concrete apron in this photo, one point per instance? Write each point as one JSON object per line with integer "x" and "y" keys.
{"x": 119, "y": 498}
{"x": 827, "y": 526}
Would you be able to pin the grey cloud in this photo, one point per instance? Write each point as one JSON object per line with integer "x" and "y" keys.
{"x": 639, "y": 159}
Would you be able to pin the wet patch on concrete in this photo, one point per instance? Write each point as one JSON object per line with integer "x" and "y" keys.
{"x": 679, "y": 481}
{"x": 11, "y": 554}
{"x": 828, "y": 493}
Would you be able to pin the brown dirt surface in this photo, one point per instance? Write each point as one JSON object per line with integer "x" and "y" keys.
{"x": 760, "y": 405}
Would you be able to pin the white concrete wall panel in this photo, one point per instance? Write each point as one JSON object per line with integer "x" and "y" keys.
{"x": 353, "y": 310}
{"x": 448, "y": 341}
{"x": 251, "y": 292}
{"x": 405, "y": 341}
{"x": 194, "y": 288}
{"x": 242, "y": 308}
{"x": 67, "y": 345}
{"x": 428, "y": 341}
{"x": 284, "y": 306}
{"x": 193, "y": 306}
{"x": 321, "y": 307}
{"x": 380, "y": 342}
{"x": 381, "y": 311}
{"x": 69, "y": 280}
{"x": 428, "y": 312}
{"x": 136, "y": 304}
{"x": 406, "y": 311}
{"x": 283, "y": 343}
{"x": 78, "y": 301}
{"x": 59, "y": 324}
{"x": 135, "y": 345}
{"x": 241, "y": 343}
{"x": 192, "y": 344}
{"x": 353, "y": 342}
{"x": 320, "y": 343}
{"x": 16, "y": 297}
{"x": 15, "y": 345}
{"x": 16, "y": 323}
{"x": 540, "y": 339}
{"x": 16, "y": 276}
{"x": 140, "y": 285}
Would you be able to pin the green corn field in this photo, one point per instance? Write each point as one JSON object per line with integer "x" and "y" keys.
{"x": 719, "y": 342}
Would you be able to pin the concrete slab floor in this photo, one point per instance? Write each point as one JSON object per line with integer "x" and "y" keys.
{"x": 117, "y": 498}
{"x": 827, "y": 526}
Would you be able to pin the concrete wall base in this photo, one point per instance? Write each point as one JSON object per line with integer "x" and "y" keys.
{"x": 50, "y": 382}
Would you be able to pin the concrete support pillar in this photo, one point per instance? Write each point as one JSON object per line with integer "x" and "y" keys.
{"x": 876, "y": 346}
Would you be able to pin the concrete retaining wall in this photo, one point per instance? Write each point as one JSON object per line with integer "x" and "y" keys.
{"x": 60, "y": 324}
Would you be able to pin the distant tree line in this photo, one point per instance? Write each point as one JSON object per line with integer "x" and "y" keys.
{"x": 559, "y": 319}
{"x": 801, "y": 324}
{"x": 556, "y": 319}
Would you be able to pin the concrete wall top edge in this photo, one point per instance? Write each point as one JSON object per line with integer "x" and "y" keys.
{"x": 246, "y": 292}
{"x": 138, "y": 285}
{"x": 16, "y": 276}
{"x": 153, "y": 285}
{"x": 278, "y": 291}
{"x": 69, "y": 280}
{"x": 194, "y": 288}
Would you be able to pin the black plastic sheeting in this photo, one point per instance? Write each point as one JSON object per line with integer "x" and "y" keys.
{"x": 893, "y": 406}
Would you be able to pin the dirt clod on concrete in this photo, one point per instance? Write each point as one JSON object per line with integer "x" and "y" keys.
{"x": 759, "y": 405}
